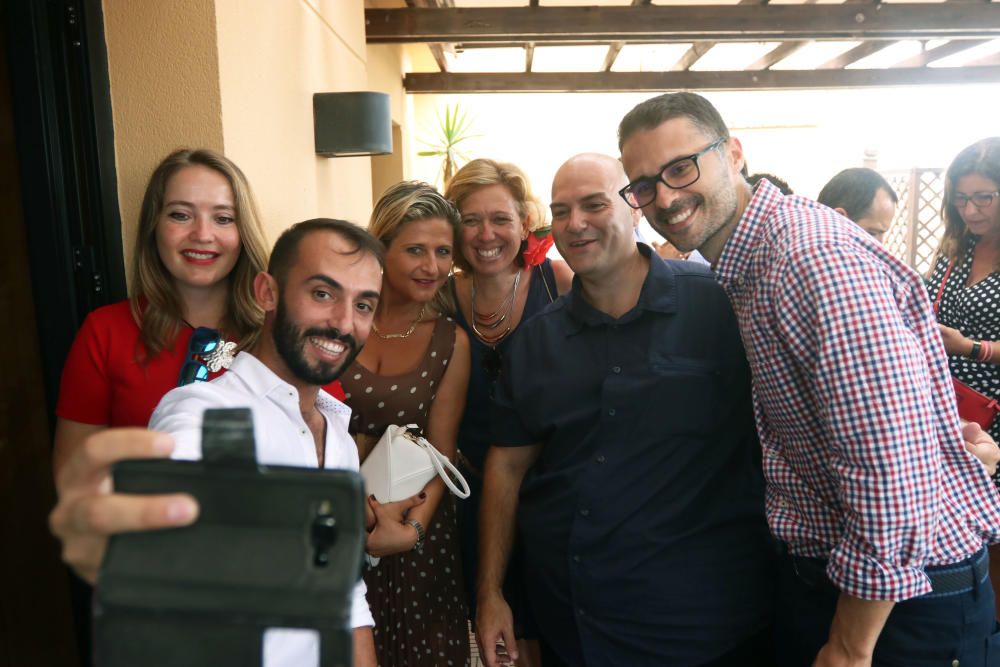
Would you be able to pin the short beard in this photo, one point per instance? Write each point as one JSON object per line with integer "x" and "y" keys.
{"x": 290, "y": 342}
{"x": 723, "y": 205}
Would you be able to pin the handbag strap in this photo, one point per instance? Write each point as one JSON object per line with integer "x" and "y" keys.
{"x": 541, "y": 274}
{"x": 944, "y": 281}
{"x": 443, "y": 465}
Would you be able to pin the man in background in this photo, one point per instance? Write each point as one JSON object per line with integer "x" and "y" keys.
{"x": 863, "y": 196}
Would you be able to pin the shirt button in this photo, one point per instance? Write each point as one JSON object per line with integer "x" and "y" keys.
{"x": 576, "y": 559}
{"x": 579, "y": 610}
{"x": 584, "y": 512}
{"x": 600, "y": 458}
{"x": 616, "y": 369}
{"x": 611, "y": 412}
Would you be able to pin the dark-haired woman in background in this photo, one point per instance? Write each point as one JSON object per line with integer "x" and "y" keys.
{"x": 964, "y": 284}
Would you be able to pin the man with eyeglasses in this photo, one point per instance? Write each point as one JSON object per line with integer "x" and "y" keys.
{"x": 625, "y": 448}
{"x": 884, "y": 514}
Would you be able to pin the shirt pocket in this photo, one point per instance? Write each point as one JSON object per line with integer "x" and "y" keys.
{"x": 694, "y": 396}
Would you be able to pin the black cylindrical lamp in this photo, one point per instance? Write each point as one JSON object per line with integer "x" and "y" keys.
{"x": 349, "y": 124}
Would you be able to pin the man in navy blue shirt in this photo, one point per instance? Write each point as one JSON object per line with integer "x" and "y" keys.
{"x": 626, "y": 453}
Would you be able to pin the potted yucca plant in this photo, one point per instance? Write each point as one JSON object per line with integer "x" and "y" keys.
{"x": 454, "y": 127}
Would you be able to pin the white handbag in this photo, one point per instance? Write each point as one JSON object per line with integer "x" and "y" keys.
{"x": 401, "y": 464}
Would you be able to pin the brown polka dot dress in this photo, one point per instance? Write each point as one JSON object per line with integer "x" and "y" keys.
{"x": 416, "y": 597}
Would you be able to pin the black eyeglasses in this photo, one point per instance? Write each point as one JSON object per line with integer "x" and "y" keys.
{"x": 978, "y": 199}
{"x": 203, "y": 342}
{"x": 676, "y": 174}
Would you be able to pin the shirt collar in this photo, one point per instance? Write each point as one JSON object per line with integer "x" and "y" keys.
{"x": 735, "y": 259}
{"x": 262, "y": 381}
{"x": 658, "y": 294}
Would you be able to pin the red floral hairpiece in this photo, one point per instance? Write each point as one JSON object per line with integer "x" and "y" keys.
{"x": 539, "y": 242}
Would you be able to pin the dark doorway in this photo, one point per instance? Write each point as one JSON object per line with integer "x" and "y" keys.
{"x": 60, "y": 256}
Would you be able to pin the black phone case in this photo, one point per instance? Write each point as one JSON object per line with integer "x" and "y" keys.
{"x": 273, "y": 546}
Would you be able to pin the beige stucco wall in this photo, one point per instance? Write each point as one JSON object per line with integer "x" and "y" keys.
{"x": 164, "y": 76}
{"x": 238, "y": 76}
{"x": 273, "y": 55}
{"x": 386, "y": 62}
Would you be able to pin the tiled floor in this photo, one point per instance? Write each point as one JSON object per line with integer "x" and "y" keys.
{"x": 474, "y": 649}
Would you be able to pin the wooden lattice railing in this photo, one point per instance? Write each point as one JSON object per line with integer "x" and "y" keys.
{"x": 917, "y": 228}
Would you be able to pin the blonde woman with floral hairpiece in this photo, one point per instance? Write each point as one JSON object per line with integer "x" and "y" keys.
{"x": 504, "y": 278}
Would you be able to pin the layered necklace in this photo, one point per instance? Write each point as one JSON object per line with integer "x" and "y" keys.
{"x": 486, "y": 325}
{"x": 405, "y": 334}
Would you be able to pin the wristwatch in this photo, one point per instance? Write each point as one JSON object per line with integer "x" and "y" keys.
{"x": 419, "y": 546}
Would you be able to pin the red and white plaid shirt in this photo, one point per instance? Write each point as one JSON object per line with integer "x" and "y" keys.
{"x": 863, "y": 452}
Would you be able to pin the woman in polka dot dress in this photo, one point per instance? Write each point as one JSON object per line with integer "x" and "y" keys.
{"x": 414, "y": 369}
{"x": 968, "y": 267}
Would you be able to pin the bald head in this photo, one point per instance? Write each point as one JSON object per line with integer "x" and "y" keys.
{"x": 592, "y": 225}
{"x": 593, "y": 163}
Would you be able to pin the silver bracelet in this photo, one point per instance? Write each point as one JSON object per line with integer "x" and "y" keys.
{"x": 417, "y": 526}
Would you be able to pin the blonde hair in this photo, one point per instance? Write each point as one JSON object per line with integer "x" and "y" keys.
{"x": 155, "y": 302}
{"x": 983, "y": 158}
{"x": 481, "y": 173}
{"x": 409, "y": 201}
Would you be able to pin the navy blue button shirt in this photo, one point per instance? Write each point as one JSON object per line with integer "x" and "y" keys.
{"x": 643, "y": 518}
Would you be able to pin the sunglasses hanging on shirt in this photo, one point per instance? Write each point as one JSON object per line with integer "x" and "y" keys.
{"x": 206, "y": 353}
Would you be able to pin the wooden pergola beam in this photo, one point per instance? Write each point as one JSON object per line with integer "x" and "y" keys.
{"x": 697, "y": 50}
{"x": 615, "y": 47}
{"x": 589, "y": 82}
{"x": 785, "y": 49}
{"x": 688, "y": 23}
{"x": 437, "y": 49}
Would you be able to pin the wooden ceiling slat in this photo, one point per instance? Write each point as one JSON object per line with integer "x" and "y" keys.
{"x": 665, "y": 81}
{"x": 437, "y": 49}
{"x": 775, "y": 55}
{"x": 612, "y": 55}
{"x": 615, "y": 47}
{"x": 989, "y": 60}
{"x": 691, "y": 56}
{"x": 664, "y": 23}
{"x": 862, "y": 50}
{"x": 939, "y": 52}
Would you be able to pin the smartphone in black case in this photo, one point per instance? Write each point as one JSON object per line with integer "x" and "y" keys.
{"x": 273, "y": 546}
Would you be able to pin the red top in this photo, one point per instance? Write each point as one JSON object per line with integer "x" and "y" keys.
{"x": 103, "y": 383}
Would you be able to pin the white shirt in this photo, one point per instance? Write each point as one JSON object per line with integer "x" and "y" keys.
{"x": 282, "y": 438}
